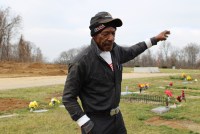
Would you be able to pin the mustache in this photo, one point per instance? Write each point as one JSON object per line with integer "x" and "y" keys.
{"x": 108, "y": 43}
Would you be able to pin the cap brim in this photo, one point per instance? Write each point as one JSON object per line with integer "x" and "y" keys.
{"x": 113, "y": 22}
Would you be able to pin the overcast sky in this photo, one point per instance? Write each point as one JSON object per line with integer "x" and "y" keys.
{"x": 59, "y": 25}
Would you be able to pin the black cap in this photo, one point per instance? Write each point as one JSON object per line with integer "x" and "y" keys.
{"x": 102, "y": 20}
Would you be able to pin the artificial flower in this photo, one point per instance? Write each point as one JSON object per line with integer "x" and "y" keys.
{"x": 168, "y": 93}
{"x": 54, "y": 102}
{"x": 141, "y": 85}
{"x": 33, "y": 105}
{"x": 183, "y": 75}
{"x": 189, "y": 78}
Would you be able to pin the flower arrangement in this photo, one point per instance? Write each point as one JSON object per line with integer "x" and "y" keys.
{"x": 183, "y": 76}
{"x": 168, "y": 93}
{"x": 54, "y": 102}
{"x": 173, "y": 100}
{"x": 143, "y": 86}
{"x": 181, "y": 97}
{"x": 188, "y": 78}
{"x": 33, "y": 105}
{"x": 168, "y": 96}
{"x": 147, "y": 85}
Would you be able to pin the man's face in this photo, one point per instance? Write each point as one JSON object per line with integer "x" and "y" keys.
{"x": 105, "y": 39}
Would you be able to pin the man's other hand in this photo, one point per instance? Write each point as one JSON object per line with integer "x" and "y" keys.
{"x": 162, "y": 36}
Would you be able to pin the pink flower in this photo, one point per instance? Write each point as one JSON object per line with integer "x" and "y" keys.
{"x": 169, "y": 93}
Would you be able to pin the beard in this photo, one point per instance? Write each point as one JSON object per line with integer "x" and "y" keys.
{"x": 107, "y": 45}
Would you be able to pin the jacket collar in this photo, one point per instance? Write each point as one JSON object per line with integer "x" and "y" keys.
{"x": 96, "y": 48}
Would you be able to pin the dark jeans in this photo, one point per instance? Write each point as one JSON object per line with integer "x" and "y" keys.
{"x": 106, "y": 124}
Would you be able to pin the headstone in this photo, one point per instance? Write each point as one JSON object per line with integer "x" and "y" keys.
{"x": 126, "y": 93}
{"x": 126, "y": 88}
{"x": 40, "y": 111}
{"x": 146, "y": 69}
{"x": 175, "y": 106}
{"x": 61, "y": 106}
{"x": 138, "y": 92}
{"x": 6, "y": 116}
{"x": 160, "y": 110}
{"x": 185, "y": 82}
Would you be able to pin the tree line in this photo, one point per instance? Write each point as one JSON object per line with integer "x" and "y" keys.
{"x": 167, "y": 56}
{"x": 22, "y": 50}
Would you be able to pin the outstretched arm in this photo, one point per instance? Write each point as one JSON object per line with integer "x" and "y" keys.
{"x": 128, "y": 53}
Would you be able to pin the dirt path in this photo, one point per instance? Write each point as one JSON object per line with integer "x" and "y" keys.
{"x": 22, "y": 82}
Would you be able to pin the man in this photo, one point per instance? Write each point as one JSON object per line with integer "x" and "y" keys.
{"x": 95, "y": 77}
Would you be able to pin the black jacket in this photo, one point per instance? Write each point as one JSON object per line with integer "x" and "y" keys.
{"x": 91, "y": 79}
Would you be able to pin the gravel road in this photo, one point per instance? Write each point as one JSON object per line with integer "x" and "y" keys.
{"x": 23, "y": 82}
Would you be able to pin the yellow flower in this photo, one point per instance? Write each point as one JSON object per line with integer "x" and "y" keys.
{"x": 54, "y": 102}
{"x": 141, "y": 85}
{"x": 147, "y": 85}
{"x": 189, "y": 78}
{"x": 183, "y": 75}
{"x": 50, "y": 104}
{"x": 33, "y": 105}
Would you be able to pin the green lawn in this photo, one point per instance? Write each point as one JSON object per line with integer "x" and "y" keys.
{"x": 136, "y": 114}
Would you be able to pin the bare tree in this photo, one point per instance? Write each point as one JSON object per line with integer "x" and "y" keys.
{"x": 8, "y": 28}
{"x": 133, "y": 63}
{"x": 160, "y": 59}
{"x": 24, "y": 50}
{"x": 147, "y": 59}
{"x": 173, "y": 59}
{"x": 37, "y": 56}
{"x": 191, "y": 52}
{"x": 68, "y": 55}
{"x": 14, "y": 53}
{"x": 164, "y": 53}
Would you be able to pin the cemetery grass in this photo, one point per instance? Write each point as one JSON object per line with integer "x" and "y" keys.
{"x": 136, "y": 114}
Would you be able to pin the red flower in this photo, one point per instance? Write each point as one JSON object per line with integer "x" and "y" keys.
{"x": 168, "y": 92}
{"x": 183, "y": 94}
{"x": 171, "y": 84}
{"x": 179, "y": 98}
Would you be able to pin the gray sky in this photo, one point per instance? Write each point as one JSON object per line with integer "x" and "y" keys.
{"x": 59, "y": 25}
